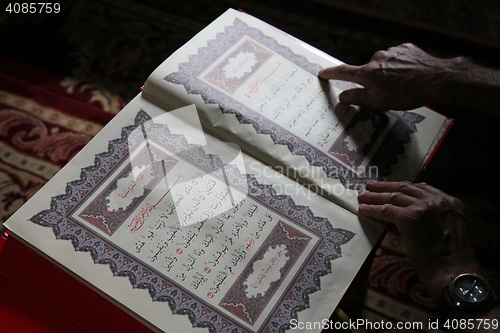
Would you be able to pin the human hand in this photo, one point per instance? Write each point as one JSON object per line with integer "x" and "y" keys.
{"x": 401, "y": 78}
{"x": 432, "y": 225}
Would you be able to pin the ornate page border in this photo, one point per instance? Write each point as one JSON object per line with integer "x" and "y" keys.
{"x": 161, "y": 288}
{"x": 187, "y": 76}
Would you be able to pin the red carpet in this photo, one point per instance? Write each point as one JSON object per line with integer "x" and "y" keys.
{"x": 44, "y": 121}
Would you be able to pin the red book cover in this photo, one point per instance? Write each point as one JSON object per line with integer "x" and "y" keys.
{"x": 56, "y": 303}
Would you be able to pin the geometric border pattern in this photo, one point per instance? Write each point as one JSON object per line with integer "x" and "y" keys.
{"x": 187, "y": 76}
{"x": 160, "y": 287}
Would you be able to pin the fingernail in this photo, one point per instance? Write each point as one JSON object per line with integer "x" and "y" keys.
{"x": 371, "y": 182}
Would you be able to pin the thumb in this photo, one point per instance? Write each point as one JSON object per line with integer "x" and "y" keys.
{"x": 357, "y": 96}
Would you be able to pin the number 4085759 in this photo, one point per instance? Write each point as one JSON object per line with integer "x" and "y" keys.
{"x": 33, "y": 8}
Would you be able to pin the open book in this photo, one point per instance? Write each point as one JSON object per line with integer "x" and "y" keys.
{"x": 231, "y": 211}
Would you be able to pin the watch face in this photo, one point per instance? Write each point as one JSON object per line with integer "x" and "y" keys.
{"x": 470, "y": 289}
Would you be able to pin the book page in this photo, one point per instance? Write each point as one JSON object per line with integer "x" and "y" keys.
{"x": 187, "y": 231}
{"x": 258, "y": 87}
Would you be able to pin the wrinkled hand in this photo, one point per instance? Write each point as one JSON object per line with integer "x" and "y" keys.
{"x": 432, "y": 225}
{"x": 401, "y": 78}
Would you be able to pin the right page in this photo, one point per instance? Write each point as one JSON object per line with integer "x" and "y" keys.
{"x": 258, "y": 87}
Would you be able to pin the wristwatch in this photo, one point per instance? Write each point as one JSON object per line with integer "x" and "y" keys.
{"x": 467, "y": 293}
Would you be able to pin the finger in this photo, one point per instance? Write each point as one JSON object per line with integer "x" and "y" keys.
{"x": 403, "y": 187}
{"x": 395, "y": 198}
{"x": 388, "y": 213}
{"x": 342, "y": 72}
{"x": 357, "y": 96}
{"x": 362, "y": 97}
{"x": 380, "y": 56}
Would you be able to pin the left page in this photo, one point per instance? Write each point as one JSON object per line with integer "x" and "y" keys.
{"x": 176, "y": 230}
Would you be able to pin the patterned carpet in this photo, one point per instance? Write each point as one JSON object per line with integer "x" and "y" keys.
{"x": 64, "y": 76}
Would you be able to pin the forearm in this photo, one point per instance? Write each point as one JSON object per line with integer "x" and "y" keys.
{"x": 405, "y": 77}
{"x": 436, "y": 277}
{"x": 472, "y": 86}
{"x": 434, "y": 229}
